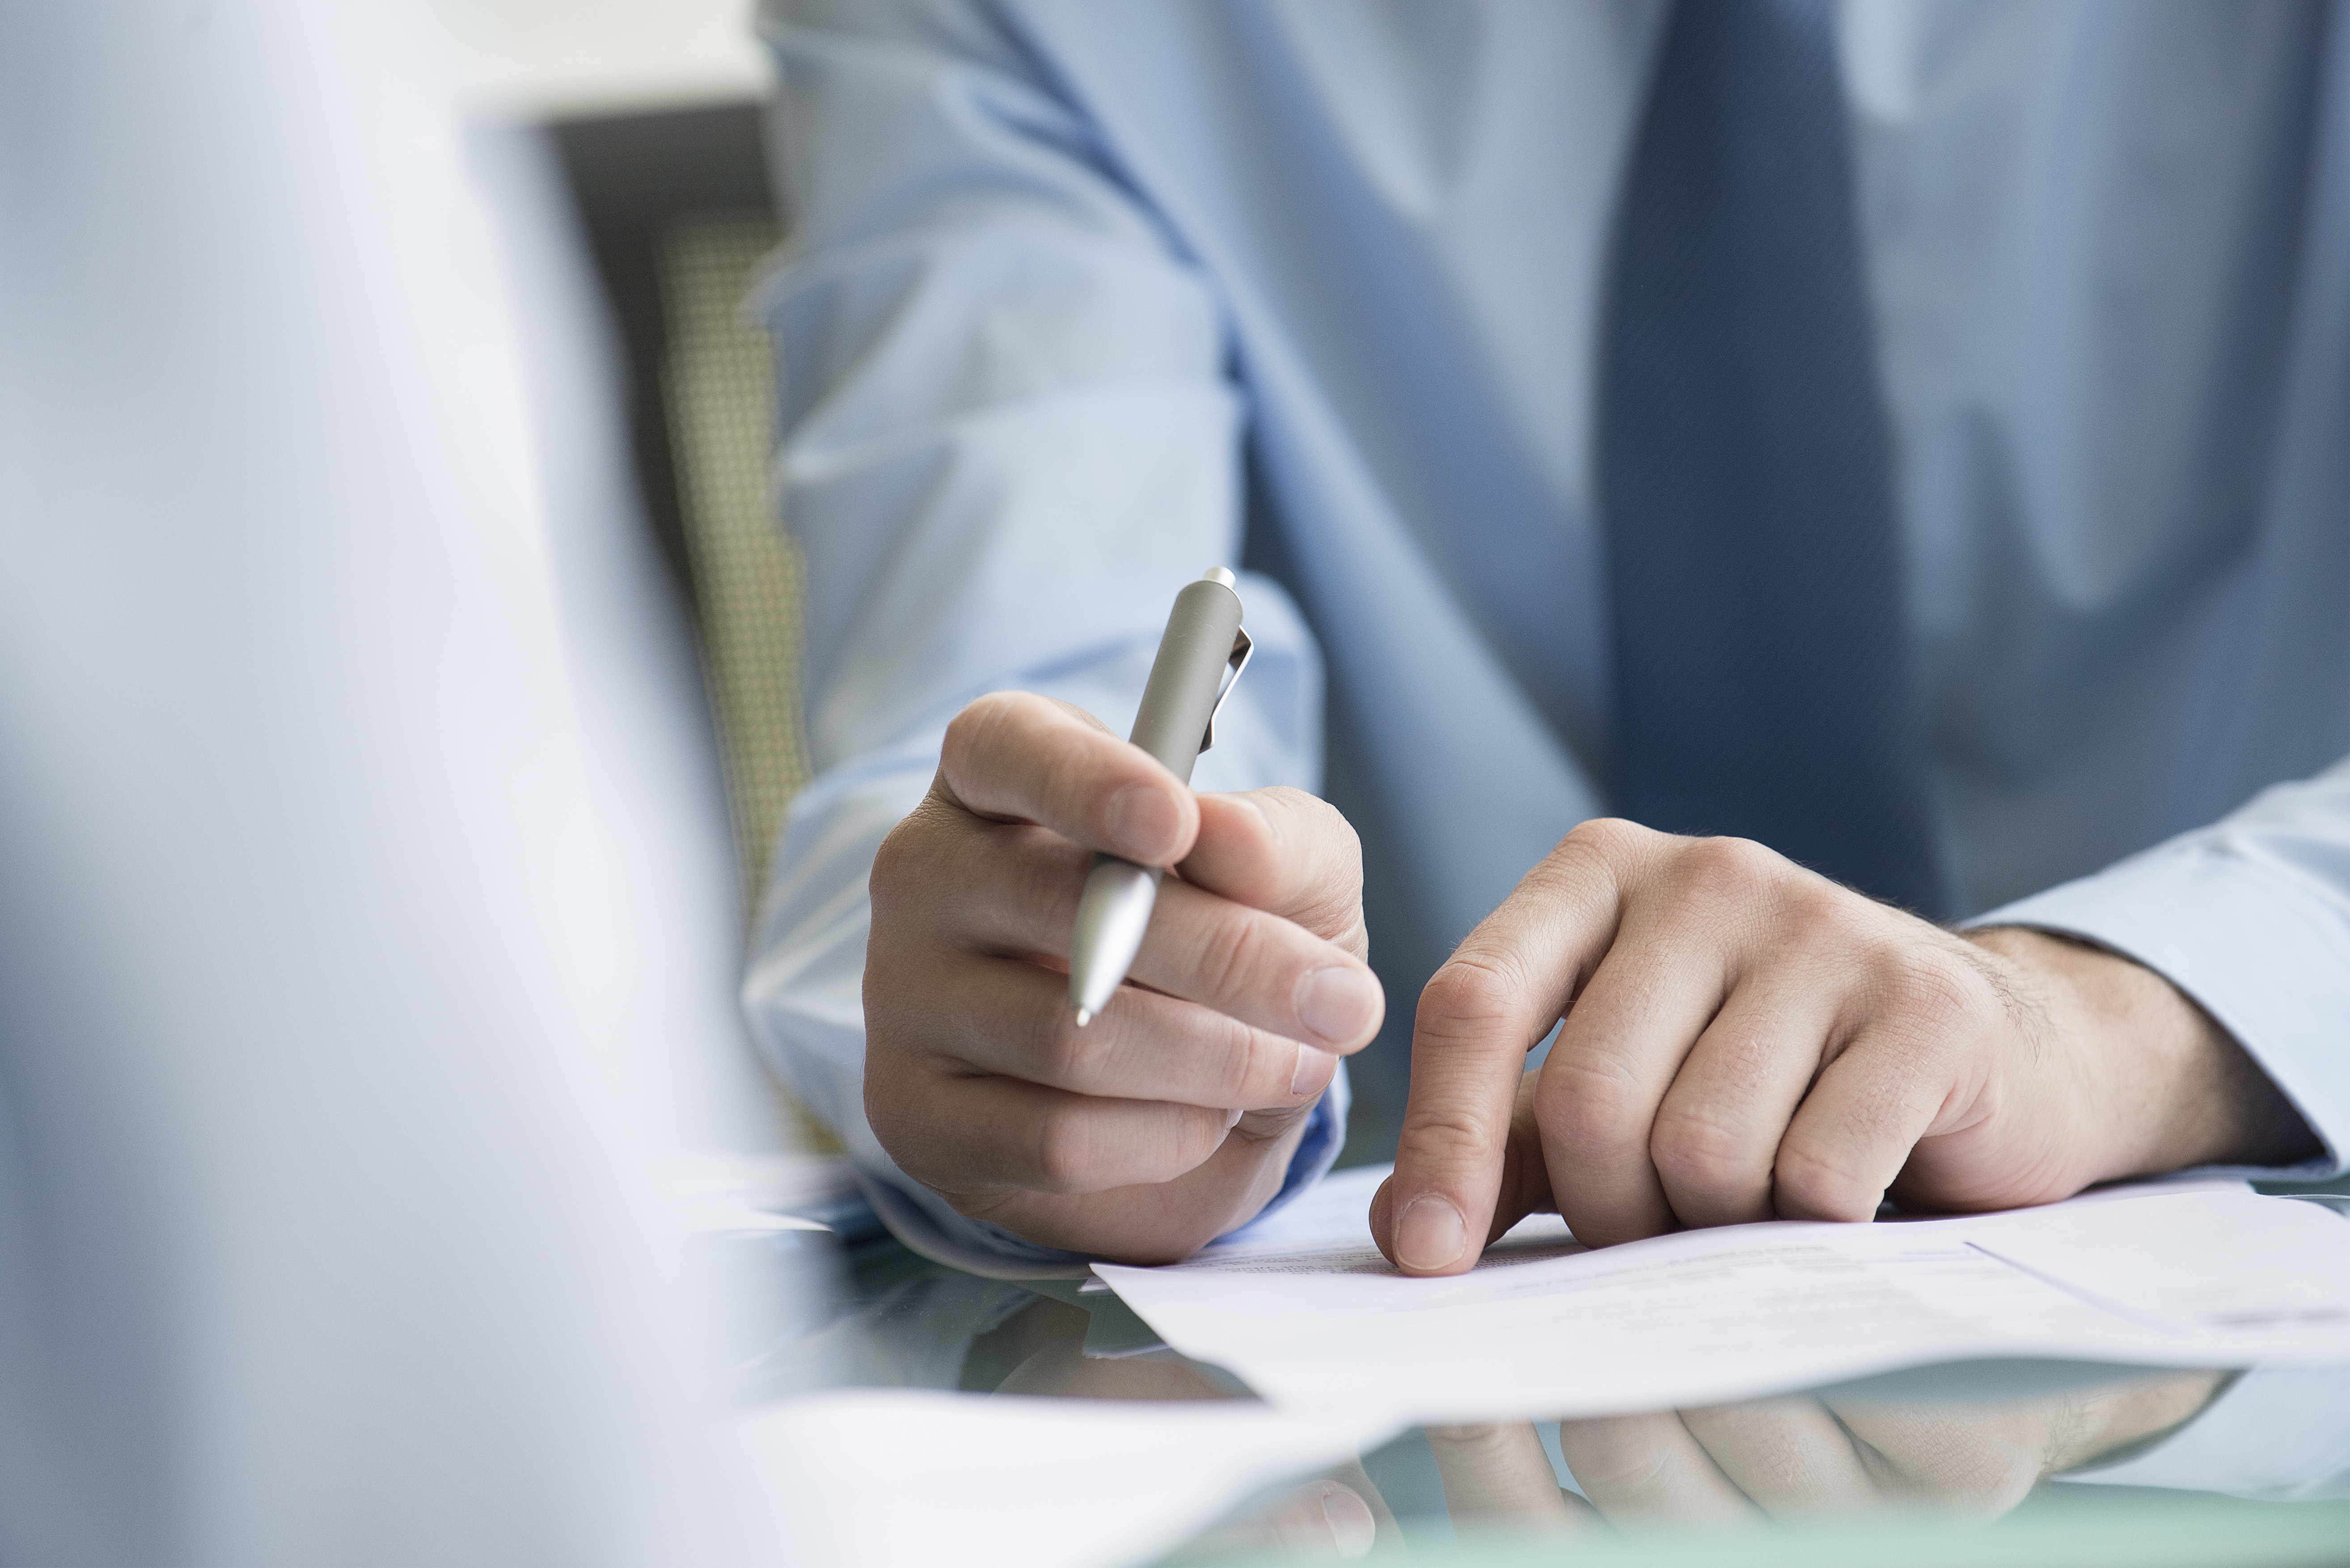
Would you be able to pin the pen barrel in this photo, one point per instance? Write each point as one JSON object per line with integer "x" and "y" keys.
{"x": 1187, "y": 674}
{"x": 1112, "y": 917}
{"x": 1178, "y": 701}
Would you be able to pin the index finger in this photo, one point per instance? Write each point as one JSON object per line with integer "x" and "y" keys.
{"x": 1016, "y": 756}
{"x": 1492, "y": 1003}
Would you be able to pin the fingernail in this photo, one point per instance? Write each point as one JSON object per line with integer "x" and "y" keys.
{"x": 1314, "y": 1073}
{"x": 1352, "y": 1529}
{"x": 1430, "y": 1234}
{"x": 1337, "y": 1003}
{"x": 1143, "y": 823}
{"x": 1231, "y": 1119}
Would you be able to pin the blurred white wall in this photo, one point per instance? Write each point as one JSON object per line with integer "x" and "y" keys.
{"x": 557, "y": 60}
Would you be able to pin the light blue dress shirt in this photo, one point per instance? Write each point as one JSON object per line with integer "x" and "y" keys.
{"x": 1082, "y": 298}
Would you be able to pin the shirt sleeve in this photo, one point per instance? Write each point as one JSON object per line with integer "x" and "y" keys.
{"x": 1006, "y": 438}
{"x": 2251, "y": 917}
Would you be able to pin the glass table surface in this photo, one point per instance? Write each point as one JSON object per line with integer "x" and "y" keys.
{"x": 1975, "y": 1462}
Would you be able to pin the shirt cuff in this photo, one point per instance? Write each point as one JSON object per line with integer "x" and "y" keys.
{"x": 2262, "y": 950}
{"x": 2281, "y": 1432}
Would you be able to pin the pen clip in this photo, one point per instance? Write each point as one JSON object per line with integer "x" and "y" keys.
{"x": 1241, "y": 649}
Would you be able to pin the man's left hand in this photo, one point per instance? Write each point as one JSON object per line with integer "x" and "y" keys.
{"x": 1745, "y": 1040}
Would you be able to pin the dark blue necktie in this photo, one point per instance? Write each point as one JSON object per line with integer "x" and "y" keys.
{"x": 1764, "y": 673}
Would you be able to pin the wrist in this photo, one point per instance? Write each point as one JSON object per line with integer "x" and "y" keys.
{"x": 2167, "y": 1087}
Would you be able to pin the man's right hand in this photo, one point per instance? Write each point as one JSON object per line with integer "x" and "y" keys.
{"x": 1171, "y": 1117}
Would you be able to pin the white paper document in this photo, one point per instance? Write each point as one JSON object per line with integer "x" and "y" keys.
{"x": 2201, "y": 1275}
{"x": 864, "y": 1476}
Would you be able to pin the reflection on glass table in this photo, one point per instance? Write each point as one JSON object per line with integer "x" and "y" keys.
{"x": 2006, "y": 1461}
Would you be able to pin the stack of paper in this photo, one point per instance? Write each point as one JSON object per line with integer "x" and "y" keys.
{"x": 2202, "y": 1274}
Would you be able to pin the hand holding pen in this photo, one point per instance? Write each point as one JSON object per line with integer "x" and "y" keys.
{"x": 1171, "y": 1117}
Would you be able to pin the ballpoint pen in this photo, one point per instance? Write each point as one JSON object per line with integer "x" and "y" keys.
{"x": 1176, "y": 722}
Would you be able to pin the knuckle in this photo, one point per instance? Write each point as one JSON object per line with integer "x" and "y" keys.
{"x": 1324, "y": 821}
{"x": 898, "y": 864}
{"x": 1337, "y": 847}
{"x": 1069, "y": 781}
{"x": 1725, "y": 865}
{"x": 1290, "y": 799}
{"x": 1065, "y": 1054}
{"x": 1252, "y": 1068}
{"x": 962, "y": 733}
{"x": 1327, "y": 872}
{"x": 1047, "y": 873}
{"x": 1809, "y": 1182}
{"x": 1699, "y": 1153}
{"x": 1932, "y": 991}
{"x": 1444, "y": 1136}
{"x": 1824, "y": 914}
{"x": 1344, "y": 832}
{"x": 1603, "y": 851}
{"x": 1471, "y": 994}
{"x": 1581, "y": 1103}
{"x": 968, "y": 731}
{"x": 1613, "y": 1463}
{"x": 1610, "y": 837}
{"x": 1067, "y": 1155}
{"x": 1230, "y": 953}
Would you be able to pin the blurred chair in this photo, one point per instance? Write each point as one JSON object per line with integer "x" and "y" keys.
{"x": 746, "y": 576}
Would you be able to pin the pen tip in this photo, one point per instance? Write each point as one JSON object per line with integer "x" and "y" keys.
{"x": 1085, "y": 1016}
